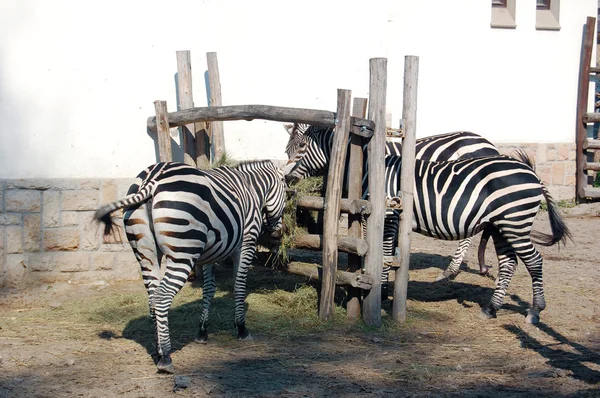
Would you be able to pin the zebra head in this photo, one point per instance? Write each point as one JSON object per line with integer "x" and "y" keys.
{"x": 270, "y": 186}
{"x": 311, "y": 154}
{"x": 297, "y": 139}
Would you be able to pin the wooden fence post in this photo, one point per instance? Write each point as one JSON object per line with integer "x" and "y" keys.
{"x": 376, "y": 156}
{"x": 407, "y": 176}
{"x": 581, "y": 180}
{"x": 162, "y": 131}
{"x": 186, "y": 100}
{"x": 332, "y": 202}
{"x": 355, "y": 176}
{"x": 216, "y": 127}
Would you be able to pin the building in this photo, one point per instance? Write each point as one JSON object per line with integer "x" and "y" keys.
{"x": 78, "y": 81}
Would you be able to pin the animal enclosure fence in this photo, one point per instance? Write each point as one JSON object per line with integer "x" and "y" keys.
{"x": 587, "y": 147}
{"x": 350, "y": 125}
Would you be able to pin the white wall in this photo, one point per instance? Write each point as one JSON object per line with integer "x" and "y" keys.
{"x": 78, "y": 79}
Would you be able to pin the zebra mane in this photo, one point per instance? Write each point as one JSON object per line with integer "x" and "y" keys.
{"x": 249, "y": 164}
{"x": 524, "y": 157}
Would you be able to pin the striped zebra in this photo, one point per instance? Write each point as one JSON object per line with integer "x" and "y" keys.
{"x": 309, "y": 149}
{"x": 457, "y": 199}
{"x": 184, "y": 216}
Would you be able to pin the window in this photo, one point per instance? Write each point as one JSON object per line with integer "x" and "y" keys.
{"x": 543, "y": 4}
{"x": 547, "y": 15}
{"x": 503, "y": 14}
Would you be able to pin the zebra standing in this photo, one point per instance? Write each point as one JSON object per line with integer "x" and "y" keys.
{"x": 185, "y": 216}
{"x": 309, "y": 149}
{"x": 457, "y": 199}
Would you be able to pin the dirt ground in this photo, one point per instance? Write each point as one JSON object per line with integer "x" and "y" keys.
{"x": 444, "y": 349}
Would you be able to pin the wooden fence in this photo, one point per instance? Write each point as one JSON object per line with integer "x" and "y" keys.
{"x": 361, "y": 282}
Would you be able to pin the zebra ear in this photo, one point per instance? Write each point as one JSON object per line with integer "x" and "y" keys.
{"x": 289, "y": 128}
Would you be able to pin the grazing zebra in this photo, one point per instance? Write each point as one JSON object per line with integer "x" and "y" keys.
{"x": 309, "y": 149}
{"x": 457, "y": 199}
{"x": 185, "y": 216}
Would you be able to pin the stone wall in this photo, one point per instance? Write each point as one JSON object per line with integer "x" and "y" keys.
{"x": 47, "y": 233}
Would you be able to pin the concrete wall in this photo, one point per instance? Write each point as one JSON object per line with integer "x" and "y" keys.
{"x": 77, "y": 79}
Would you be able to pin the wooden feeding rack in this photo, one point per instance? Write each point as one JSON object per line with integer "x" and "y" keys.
{"x": 586, "y": 147}
{"x": 350, "y": 124}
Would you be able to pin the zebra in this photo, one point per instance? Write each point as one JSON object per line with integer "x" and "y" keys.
{"x": 184, "y": 216}
{"x": 308, "y": 150}
{"x": 499, "y": 194}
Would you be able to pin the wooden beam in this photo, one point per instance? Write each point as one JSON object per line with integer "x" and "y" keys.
{"x": 591, "y": 144}
{"x": 333, "y": 195}
{"x": 186, "y": 100}
{"x": 407, "y": 181}
{"x": 214, "y": 83}
{"x": 355, "y": 177}
{"x": 163, "y": 137}
{"x": 591, "y": 166}
{"x": 343, "y": 243}
{"x": 582, "y": 104}
{"x": 591, "y": 117}
{"x": 351, "y": 206}
{"x": 591, "y": 193}
{"x": 266, "y": 112}
{"x": 376, "y": 154}
{"x": 311, "y": 271}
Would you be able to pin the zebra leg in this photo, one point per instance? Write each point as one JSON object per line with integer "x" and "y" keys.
{"x": 175, "y": 277}
{"x": 453, "y": 268}
{"x": 390, "y": 239}
{"x": 141, "y": 239}
{"x": 243, "y": 259}
{"x": 533, "y": 262}
{"x": 208, "y": 292}
{"x": 507, "y": 263}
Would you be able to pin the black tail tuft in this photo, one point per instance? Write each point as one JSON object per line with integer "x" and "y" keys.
{"x": 110, "y": 227}
{"x": 560, "y": 231}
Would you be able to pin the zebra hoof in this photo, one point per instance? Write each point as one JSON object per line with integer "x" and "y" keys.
{"x": 165, "y": 365}
{"x": 533, "y": 317}
{"x": 487, "y": 313}
{"x": 202, "y": 336}
{"x": 244, "y": 334}
{"x": 484, "y": 270}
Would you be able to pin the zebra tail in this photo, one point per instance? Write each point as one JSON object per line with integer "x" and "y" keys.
{"x": 103, "y": 214}
{"x": 560, "y": 231}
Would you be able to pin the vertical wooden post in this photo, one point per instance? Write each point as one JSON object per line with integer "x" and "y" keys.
{"x": 376, "y": 155}
{"x": 582, "y": 104}
{"x": 186, "y": 100}
{"x": 162, "y": 131}
{"x": 407, "y": 181}
{"x": 332, "y": 203}
{"x": 214, "y": 82}
{"x": 355, "y": 176}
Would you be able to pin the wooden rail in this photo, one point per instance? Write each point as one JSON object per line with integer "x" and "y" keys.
{"x": 361, "y": 127}
{"x": 350, "y": 206}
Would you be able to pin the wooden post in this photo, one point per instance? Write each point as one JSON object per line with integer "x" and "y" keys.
{"x": 162, "y": 131}
{"x": 582, "y": 104}
{"x": 218, "y": 139}
{"x": 355, "y": 176}
{"x": 376, "y": 156}
{"x": 332, "y": 201}
{"x": 186, "y": 101}
{"x": 407, "y": 181}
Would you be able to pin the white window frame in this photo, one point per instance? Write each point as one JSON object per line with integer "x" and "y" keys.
{"x": 504, "y": 17}
{"x": 548, "y": 19}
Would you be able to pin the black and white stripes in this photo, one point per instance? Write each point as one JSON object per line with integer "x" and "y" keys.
{"x": 184, "y": 216}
